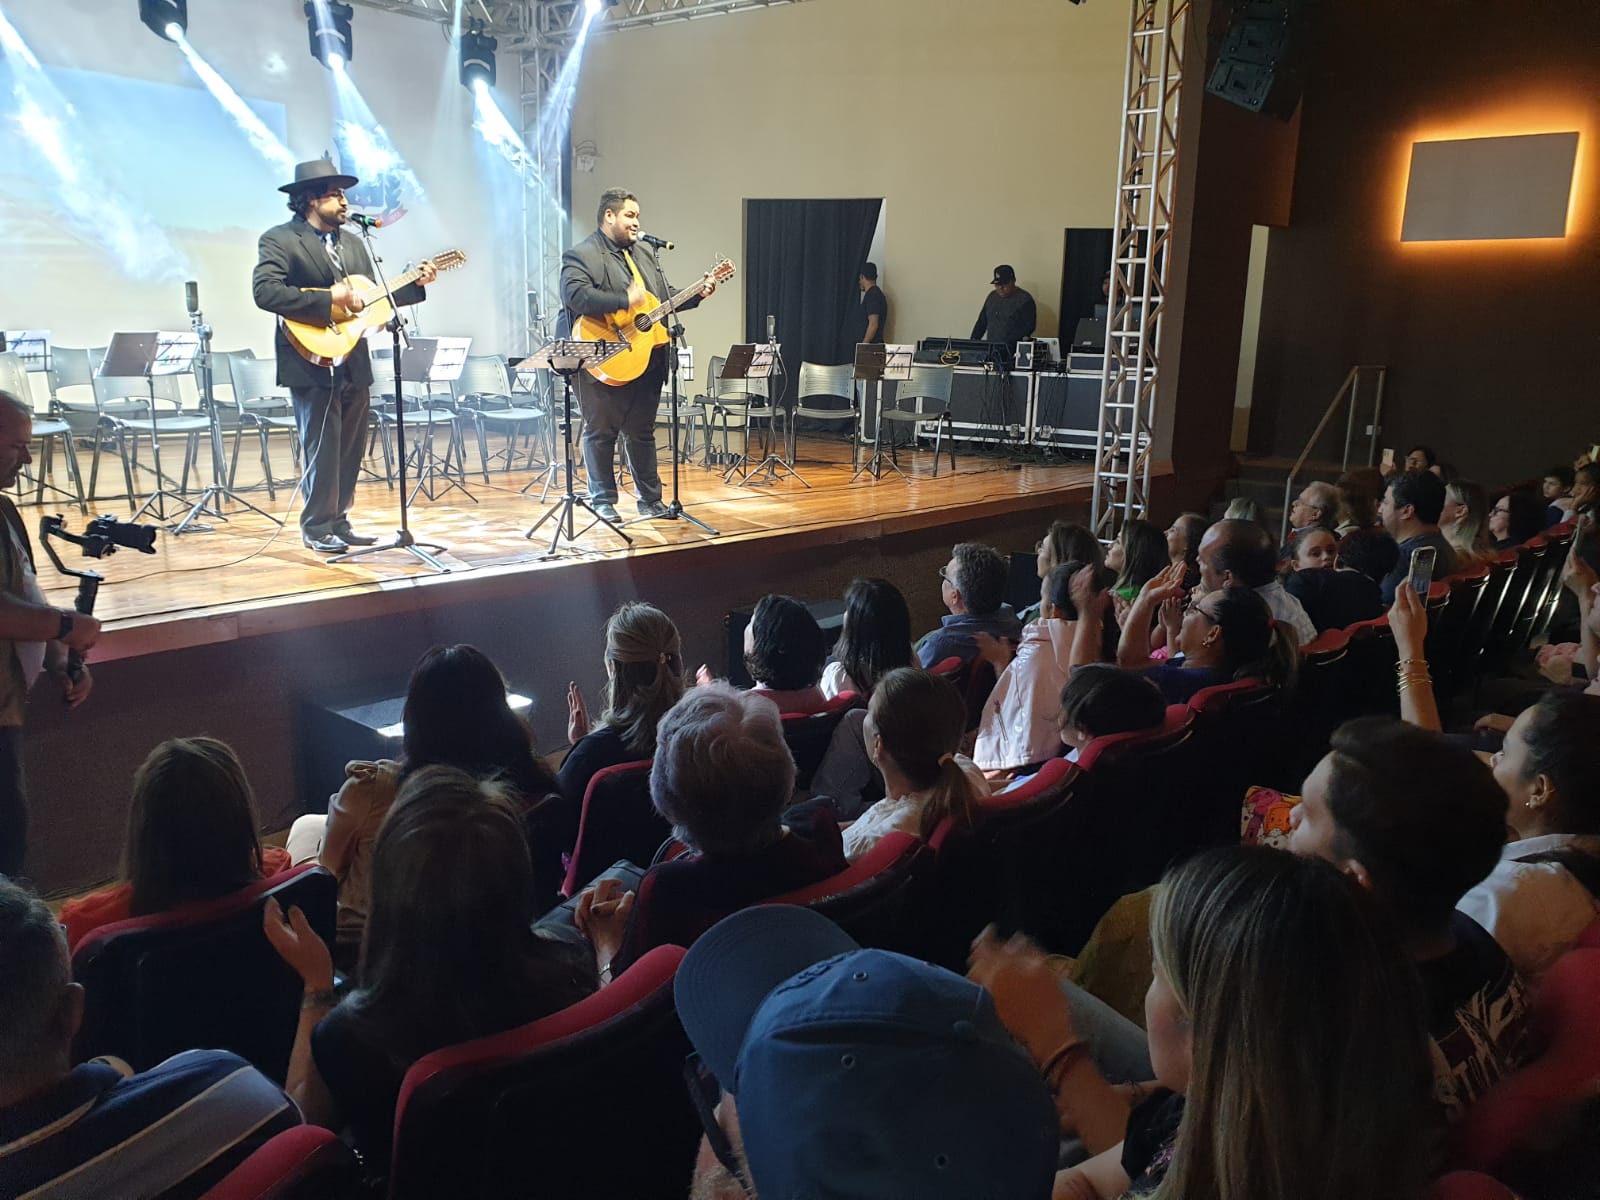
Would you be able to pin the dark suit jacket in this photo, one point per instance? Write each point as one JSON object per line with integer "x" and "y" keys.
{"x": 595, "y": 277}
{"x": 293, "y": 257}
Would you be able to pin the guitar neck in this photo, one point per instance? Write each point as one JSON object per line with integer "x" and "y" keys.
{"x": 689, "y": 292}
{"x": 395, "y": 284}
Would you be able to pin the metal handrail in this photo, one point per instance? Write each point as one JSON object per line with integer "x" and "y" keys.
{"x": 1351, "y": 387}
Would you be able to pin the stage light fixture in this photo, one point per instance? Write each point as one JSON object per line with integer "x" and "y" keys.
{"x": 328, "y": 24}
{"x": 166, "y": 18}
{"x": 593, "y": 7}
{"x": 477, "y": 58}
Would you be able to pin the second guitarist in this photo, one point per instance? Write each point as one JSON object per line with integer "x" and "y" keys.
{"x": 300, "y": 274}
{"x": 609, "y": 271}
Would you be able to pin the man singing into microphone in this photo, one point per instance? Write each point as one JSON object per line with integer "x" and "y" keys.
{"x": 302, "y": 274}
{"x": 610, "y": 271}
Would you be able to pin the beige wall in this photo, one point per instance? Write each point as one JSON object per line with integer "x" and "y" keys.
{"x": 987, "y": 128}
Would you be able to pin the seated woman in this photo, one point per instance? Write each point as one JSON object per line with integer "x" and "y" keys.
{"x": 874, "y": 639}
{"x": 722, "y": 776}
{"x": 1065, "y": 542}
{"x": 1515, "y": 518}
{"x": 1136, "y": 556}
{"x": 1220, "y": 637}
{"x": 784, "y": 652}
{"x": 1334, "y": 594}
{"x": 914, "y": 726}
{"x": 456, "y": 715}
{"x": 1018, "y": 722}
{"x": 1183, "y": 545}
{"x": 1360, "y": 492}
{"x": 1100, "y": 700}
{"x": 448, "y": 955}
{"x": 1242, "y": 936}
{"x": 191, "y": 837}
{"x": 1465, "y": 521}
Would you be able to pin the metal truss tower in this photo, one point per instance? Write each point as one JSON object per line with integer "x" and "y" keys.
{"x": 1141, "y": 253}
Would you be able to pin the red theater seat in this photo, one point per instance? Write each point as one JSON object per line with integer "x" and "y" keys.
{"x": 306, "y": 1163}
{"x": 618, "y": 821}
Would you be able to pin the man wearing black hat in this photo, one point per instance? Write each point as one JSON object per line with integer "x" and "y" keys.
{"x": 1008, "y": 315}
{"x": 301, "y": 274}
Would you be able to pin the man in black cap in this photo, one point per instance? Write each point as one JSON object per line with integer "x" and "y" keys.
{"x": 302, "y": 273}
{"x": 1009, "y": 314}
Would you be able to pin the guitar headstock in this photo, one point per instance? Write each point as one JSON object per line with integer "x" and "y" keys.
{"x": 448, "y": 261}
{"x": 723, "y": 271}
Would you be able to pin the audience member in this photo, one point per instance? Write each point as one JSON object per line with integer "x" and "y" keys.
{"x": 1221, "y": 636}
{"x": 1557, "y": 490}
{"x": 1065, "y": 542}
{"x": 1018, "y": 725}
{"x": 191, "y": 837}
{"x": 99, "y": 1129}
{"x": 829, "y": 1070}
{"x": 1420, "y": 821}
{"x": 644, "y": 678}
{"x": 1359, "y": 493}
{"x": 1586, "y": 489}
{"x": 1100, "y": 700}
{"x": 1240, "y": 937}
{"x": 456, "y": 714}
{"x": 722, "y": 776}
{"x": 1316, "y": 507}
{"x": 1137, "y": 555}
{"x": 1465, "y": 521}
{"x": 972, "y": 585}
{"x": 1370, "y": 551}
{"x": 1242, "y": 553}
{"x": 1183, "y": 545}
{"x": 448, "y": 955}
{"x": 1410, "y": 512}
{"x": 785, "y": 651}
{"x": 1334, "y": 593}
{"x": 1545, "y": 890}
{"x": 913, "y": 731}
{"x": 1421, "y": 458}
{"x": 874, "y": 639}
{"x": 1244, "y": 508}
{"x": 1514, "y": 519}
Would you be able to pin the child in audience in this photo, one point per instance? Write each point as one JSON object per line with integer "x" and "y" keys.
{"x": 1316, "y": 550}
{"x": 1334, "y": 593}
{"x": 913, "y": 729}
{"x": 1137, "y": 555}
{"x": 191, "y": 837}
{"x": 1183, "y": 545}
{"x": 456, "y": 714}
{"x": 1018, "y": 725}
{"x": 1100, "y": 700}
{"x": 644, "y": 678}
{"x": 1557, "y": 490}
{"x": 874, "y": 638}
{"x": 448, "y": 955}
{"x": 1284, "y": 1034}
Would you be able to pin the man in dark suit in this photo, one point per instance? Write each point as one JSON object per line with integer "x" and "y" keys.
{"x": 607, "y": 272}
{"x": 302, "y": 273}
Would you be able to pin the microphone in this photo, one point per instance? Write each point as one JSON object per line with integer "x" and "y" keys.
{"x": 363, "y": 221}
{"x": 651, "y": 239}
{"x": 191, "y": 296}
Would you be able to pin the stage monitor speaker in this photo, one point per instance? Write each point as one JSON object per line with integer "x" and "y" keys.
{"x": 1256, "y": 65}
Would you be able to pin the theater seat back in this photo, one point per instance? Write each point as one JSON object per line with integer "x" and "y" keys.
{"x": 304, "y": 1163}
{"x": 618, "y": 821}
{"x": 590, "y": 1101}
{"x": 200, "y": 976}
{"x": 808, "y": 735}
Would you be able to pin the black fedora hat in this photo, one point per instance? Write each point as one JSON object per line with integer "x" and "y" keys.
{"x": 318, "y": 172}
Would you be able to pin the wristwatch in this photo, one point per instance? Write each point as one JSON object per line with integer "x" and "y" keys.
{"x": 65, "y": 628}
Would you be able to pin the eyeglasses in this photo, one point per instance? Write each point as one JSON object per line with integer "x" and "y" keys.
{"x": 705, "y": 1093}
{"x": 945, "y": 577}
{"x": 1503, "y": 509}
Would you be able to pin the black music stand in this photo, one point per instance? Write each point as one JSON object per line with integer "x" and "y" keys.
{"x": 431, "y": 360}
{"x": 751, "y": 360}
{"x": 872, "y": 367}
{"x": 147, "y": 355}
{"x": 566, "y": 359}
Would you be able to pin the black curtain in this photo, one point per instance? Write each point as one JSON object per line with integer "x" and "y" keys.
{"x": 802, "y": 264}
{"x": 1083, "y": 271}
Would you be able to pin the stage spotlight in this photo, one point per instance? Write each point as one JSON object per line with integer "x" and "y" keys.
{"x": 166, "y": 18}
{"x": 477, "y": 58}
{"x": 593, "y": 7}
{"x": 328, "y": 24}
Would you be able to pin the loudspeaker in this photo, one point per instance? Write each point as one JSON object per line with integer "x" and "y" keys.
{"x": 1256, "y": 65}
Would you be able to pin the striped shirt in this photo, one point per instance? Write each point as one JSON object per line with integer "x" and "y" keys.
{"x": 170, "y": 1132}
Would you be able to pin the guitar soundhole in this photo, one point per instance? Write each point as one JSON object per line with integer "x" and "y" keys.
{"x": 642, "y": 322}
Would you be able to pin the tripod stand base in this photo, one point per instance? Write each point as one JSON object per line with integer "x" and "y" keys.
{"x": 565, "y": 514}
{"x": 875, "y": 465}
{"x": 403, "y": 540}
{"x": 210, "y": 505}
{"x": 675, "y": 512}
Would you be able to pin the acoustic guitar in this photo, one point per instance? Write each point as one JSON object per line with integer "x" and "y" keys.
{"x": 326, "y": 345}
{"x": 641, "y": 326}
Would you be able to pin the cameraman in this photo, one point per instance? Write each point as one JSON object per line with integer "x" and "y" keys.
{"x": 34, "y": 637}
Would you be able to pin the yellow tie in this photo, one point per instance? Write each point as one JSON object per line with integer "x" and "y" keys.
{"x": 634, "y": 267}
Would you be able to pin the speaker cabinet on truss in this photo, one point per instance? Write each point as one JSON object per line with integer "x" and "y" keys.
{"x": 1256, "y": 66}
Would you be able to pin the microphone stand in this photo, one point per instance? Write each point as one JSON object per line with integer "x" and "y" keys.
{"x": 403, "y": 539}
{"x": 675, "y": 510}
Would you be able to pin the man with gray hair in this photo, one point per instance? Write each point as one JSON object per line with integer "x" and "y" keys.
{"x": 34, "y": 636}
{"x": 1317, "y": 507}
{"x": 98, "y": 1129}
{"x": 723, "y": 776}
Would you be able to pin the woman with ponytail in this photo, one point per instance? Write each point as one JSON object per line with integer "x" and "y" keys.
{"x": 913, "y": 727}
{"x": 644, "y": 678}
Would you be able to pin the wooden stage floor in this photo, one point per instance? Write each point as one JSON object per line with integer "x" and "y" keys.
{"x": 244, "y": 578}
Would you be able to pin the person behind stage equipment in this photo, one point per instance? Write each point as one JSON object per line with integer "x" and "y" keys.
{"x": 1008, "y": 314}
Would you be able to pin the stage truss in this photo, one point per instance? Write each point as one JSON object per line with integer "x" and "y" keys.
{"x": 1146, "y": 184}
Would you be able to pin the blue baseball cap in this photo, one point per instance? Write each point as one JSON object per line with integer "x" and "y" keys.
{"x": 862, "y": 1073}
